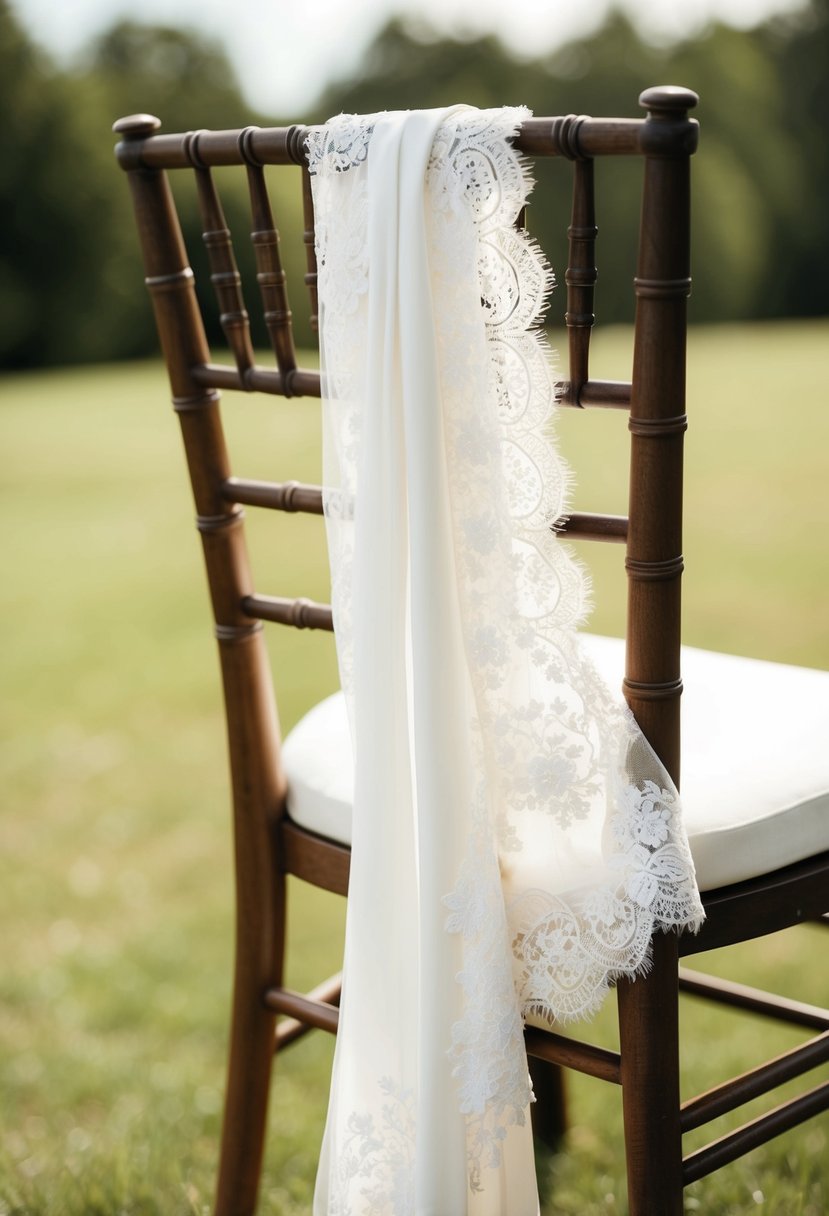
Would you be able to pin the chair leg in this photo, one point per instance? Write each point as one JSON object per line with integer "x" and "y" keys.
{"x": 549, "y": 1111}
{"x": 649, "y": 1046}
{"x": 246, "y": 1104}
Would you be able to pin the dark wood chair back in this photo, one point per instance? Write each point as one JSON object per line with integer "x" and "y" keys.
{"x": 655, "y": 398}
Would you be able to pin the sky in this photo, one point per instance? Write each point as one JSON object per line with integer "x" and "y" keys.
{"x": 284, "y": 51}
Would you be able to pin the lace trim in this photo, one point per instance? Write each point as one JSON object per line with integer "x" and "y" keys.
{"x": 560, "y": 756}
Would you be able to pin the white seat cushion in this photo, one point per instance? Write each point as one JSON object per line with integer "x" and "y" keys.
{"x": 755, "y": 762}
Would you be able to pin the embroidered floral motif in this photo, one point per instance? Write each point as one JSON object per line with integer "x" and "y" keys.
{"x": 375, "y": 1166}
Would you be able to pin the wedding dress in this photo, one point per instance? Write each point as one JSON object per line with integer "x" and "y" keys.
{"x": 515, "y": 840}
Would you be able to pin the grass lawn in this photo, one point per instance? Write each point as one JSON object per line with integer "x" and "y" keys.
{"x": 115, "y": 893}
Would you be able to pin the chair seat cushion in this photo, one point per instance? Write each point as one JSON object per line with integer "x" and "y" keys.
{"x": 755, "y": 762}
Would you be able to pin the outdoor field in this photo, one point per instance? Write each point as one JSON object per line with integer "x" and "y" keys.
{"x": 115, "y": 848}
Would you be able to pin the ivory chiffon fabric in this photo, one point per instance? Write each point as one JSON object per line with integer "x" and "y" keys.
{"x": 480, "y": 728}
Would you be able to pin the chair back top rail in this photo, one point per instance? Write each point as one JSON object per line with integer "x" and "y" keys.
{"x": 573, "y": 136}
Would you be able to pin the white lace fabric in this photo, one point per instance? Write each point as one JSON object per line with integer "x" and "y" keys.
{"x": 516, "y": 841}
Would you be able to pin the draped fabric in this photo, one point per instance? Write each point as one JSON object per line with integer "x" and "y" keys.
{"x": 515, "y": 839}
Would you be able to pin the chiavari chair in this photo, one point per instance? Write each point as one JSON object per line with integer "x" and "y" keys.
{"x": 760, "y": 846}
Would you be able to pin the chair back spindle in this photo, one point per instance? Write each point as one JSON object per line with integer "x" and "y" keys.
{"x": 580, "y": 277}
{"x": 657, "y": 423}
{"x": 224, "y": 274}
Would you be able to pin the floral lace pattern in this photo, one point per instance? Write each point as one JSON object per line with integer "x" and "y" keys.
{"x": 375, "y": 1165}
{"x": 575, "y": 851}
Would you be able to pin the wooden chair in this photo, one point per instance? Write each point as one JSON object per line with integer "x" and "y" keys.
{"x": 782, "y": 876}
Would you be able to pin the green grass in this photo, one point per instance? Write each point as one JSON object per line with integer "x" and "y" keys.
{"x": 115, "y": 885}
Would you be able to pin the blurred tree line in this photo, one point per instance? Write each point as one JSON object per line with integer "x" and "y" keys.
{"x": 69, "y": 268}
